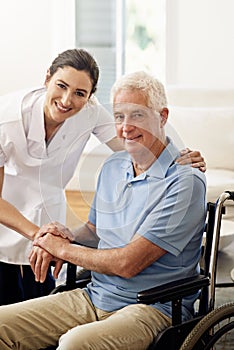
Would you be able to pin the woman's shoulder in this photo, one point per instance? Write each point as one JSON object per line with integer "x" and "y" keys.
{"x": 11, "y": 103}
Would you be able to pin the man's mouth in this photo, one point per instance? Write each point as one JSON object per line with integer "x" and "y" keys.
{"x": 132, "y": 139}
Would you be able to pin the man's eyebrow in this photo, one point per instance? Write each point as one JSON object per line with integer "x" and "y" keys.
{"x": 138, "y": 110}
{"x": 133, "y": 110}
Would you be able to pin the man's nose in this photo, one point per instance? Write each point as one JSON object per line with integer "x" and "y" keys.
{"x": 127, "y": 124}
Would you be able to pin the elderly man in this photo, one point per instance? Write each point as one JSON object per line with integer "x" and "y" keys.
{"x": 145, "y": 228}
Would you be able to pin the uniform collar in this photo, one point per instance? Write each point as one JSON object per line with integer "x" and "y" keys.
{"x": 36, "y": 134}
{"x": 36, "y": 128}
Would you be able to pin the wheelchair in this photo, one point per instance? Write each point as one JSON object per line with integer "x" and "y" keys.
{"x": 215, "y": 330}
{"x": 209, "y": 324}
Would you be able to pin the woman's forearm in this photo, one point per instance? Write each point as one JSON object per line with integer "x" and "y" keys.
{"x": 13, "y": 219}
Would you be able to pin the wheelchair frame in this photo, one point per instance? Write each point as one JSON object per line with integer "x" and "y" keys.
{"x": 173, "y": 337}
{"x": 211, "y": 328}
{"x": 182, "y": 332}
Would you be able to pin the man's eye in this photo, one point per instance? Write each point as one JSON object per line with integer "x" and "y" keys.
{"x": 119, "y": 118}
{"x": 137, "y": 116}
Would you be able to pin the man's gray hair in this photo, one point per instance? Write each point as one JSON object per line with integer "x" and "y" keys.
{"x": 150, "y": 87}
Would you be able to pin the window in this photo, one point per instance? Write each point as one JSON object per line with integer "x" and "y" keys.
{"x": 96, "y": 31}
{"x": 124, "y": 36}
{"x": 145, "y": 37}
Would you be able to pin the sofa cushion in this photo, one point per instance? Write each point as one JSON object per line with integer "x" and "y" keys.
{"x": 210, "y": 130}
{"x": 191, "y": 96}
{"x": 218, "y": 181}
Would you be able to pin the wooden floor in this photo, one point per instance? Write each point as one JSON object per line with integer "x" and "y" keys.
{"x": 78, "y": 205}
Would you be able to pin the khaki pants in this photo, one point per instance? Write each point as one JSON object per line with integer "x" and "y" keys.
{"x": 71, "y": 319}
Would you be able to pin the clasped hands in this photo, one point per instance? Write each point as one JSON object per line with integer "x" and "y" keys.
{"x": 49, "y": 242}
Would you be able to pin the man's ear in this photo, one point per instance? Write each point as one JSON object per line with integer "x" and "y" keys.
{"x": 164, "y": 116}
{"x": 47, "y": 78}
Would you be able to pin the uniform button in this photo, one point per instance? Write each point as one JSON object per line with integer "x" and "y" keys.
{"x": 129, "y": 185}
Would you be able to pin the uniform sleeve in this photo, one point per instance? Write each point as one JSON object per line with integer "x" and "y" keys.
{"x": 2, "y": 157}
{"x": 105, "y": 126}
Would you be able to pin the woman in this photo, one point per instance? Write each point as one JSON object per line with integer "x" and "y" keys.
{"x": 42, "y": 135}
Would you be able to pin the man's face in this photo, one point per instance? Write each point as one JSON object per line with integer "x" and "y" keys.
{"x": 137, "y": 126}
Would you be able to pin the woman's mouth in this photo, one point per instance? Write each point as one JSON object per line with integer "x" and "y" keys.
{"x": 61, "y": 108}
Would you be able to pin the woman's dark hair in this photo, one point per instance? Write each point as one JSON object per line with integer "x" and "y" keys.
{"x": 79, "y": 59}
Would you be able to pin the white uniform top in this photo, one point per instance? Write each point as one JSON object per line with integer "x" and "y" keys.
{"x": 35, "y": 173}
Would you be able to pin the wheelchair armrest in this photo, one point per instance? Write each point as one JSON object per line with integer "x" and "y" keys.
{"x": 74, "y": 279}
{"x": 173, "y": 290}
{"x": 81, "y": 283}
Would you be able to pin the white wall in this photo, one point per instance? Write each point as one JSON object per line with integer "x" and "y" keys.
{"x": 200, "y": 43}
{"x": 32, "y": 33}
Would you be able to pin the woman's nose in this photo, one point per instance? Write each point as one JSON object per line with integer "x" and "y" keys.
{"x": 66, "y": 98}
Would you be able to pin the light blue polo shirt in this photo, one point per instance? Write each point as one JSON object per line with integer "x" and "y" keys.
{"x": 166, "y": 205}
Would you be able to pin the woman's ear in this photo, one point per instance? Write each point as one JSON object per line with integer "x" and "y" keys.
{"x": 164, "y": 116}
{"x": 47, "y": 78}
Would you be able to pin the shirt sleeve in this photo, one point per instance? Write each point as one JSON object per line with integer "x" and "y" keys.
{"x": 105, "y": 126}
{"x": 178, "y": 217}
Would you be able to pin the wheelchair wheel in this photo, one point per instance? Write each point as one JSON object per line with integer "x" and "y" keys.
{"x": 214, "y": 331}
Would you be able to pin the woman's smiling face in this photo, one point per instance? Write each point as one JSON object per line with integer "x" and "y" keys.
{"x": 68, "y": 90}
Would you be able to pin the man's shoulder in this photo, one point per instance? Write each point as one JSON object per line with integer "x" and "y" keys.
{"x": 187, "y": 172}
{"x": 117, "y": 159}
{"x": 119, "y": 155}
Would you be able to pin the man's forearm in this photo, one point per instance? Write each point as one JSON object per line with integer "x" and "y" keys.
{"x": 126, "y": 261}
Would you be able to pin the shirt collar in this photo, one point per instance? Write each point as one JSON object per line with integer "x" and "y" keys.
{"x": 160, "y": 167}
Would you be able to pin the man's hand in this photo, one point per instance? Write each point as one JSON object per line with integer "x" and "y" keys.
{"x": 56, "y": 229}
{"x": 192, "y": 157}
{"x": 40, "y": 261}
{"x": 54, "y": 245}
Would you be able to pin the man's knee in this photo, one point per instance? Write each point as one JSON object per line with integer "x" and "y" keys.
{"x": 7, "y": 315}
{"x": 79, "y": 338}
{"x": 148, "y": 317}
{"x": 6, "y": 333}
{"x": 134, "y": 323}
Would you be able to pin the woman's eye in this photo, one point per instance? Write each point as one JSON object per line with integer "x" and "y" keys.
{"x": 79, "y": 93}
{"x": 62, "y": 86}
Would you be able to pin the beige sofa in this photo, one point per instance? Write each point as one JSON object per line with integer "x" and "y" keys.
{"x": 203, "y": 119}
